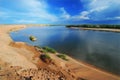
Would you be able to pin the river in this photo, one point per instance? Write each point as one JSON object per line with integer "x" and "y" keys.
{"x": 98, "y": 48}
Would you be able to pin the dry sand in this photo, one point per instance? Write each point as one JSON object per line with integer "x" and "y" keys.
{"x": 19, "y": 61}
{"x": 101, "y": 29}
{"x": 8, "y": 53}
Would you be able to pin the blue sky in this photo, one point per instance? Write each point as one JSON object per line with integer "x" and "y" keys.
{"x": 60, "y": 11}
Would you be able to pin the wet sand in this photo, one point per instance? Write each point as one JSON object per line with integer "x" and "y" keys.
{"x": 20, "y": 61}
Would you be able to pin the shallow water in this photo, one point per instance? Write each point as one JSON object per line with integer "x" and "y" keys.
{"x": 99, "y": 48}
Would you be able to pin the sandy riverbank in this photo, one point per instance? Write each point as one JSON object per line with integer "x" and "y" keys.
{"x": 19, "y": 61}
{"x": 99, "y": 29}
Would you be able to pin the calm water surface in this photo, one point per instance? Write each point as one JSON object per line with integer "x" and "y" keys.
{"x": 101, "y": 49}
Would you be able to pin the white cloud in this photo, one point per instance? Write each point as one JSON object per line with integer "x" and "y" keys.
{"x": 85, "y": 14}
{"x": 24, "y": 21}
{"x": 32, "y": 11}
{"x": 115, "y": 18}
{"x": 98, "y": 9}
{"x": 82, "y": 16}
{"x": 64, "y": 14}
{"x": 102, "y": 9}
{"x": 33, "y": 5}
{"x": 2, "y": 13}
{"x": 37, "y": 8}
{"x": 100, "y": 3}
{"x": 94, "y": 10}
{"x": 118, "y": 17}
{"x": 29, "y": 9}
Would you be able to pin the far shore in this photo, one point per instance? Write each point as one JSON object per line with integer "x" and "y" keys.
{"x": 27, "y": 57}
{"x": 98, "y": 29}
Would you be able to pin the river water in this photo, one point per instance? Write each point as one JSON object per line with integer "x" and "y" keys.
{"x": 98, "y": 48}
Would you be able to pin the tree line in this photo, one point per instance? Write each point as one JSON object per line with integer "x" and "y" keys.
{"x": 95, "y": 26}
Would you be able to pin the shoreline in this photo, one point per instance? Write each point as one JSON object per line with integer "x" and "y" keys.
{"x": 93, "y": 67}
{"x": 84, "y": 69}
{"x": 98, "y": 29}
{"x": 96, "y": 68}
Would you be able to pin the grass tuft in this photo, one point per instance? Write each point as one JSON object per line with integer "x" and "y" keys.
{"x": 62, "y": 56}
{"x": 48, "y": 49}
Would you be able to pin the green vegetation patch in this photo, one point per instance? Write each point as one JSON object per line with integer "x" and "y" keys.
{"x": 38, "y": 47}
{"x": 32, "y": 38}
{"x": 46, "y": 58}
{"x": 62, "y": 56}
{"x": 95, "y": 26}
{"x": 48, "y": 49}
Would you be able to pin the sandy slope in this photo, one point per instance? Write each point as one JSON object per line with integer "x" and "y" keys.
{"x": 8, "y": 53}
{"x": 20, "y": 54}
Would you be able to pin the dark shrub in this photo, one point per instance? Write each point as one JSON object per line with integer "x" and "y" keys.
{"x": 45, "y": 58}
